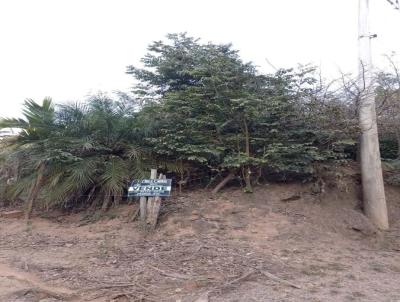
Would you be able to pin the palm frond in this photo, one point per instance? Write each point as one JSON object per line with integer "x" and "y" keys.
{"x": 20, "y": 188}
{"x": 13, "y": 123}
{"x": 135, "y": 152}
{"x": 82, "y": 174}
{"x": 114, "y": 177}
{"x": 67, "y": 181}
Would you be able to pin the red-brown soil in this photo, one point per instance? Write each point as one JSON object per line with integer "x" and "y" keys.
{"x": 233, "y": 247}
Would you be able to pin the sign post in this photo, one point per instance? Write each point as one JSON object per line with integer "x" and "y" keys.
{"x": 150, "y": 192}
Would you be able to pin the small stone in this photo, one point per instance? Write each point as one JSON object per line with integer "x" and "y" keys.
{"x": 194, "y": 217}
{"x": 212, "y": 217}
{"x": 68, "y": 245}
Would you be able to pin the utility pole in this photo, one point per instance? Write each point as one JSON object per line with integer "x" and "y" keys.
{"x": 371, "y": 170}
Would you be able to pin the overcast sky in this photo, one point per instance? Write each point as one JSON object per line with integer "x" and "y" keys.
{"x": 67, "y": 49}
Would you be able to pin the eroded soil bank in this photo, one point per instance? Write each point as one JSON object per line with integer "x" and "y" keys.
{"x": 281, "y": 243}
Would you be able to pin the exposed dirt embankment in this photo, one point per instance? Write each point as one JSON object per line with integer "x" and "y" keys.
{"x": 281, "y": 243}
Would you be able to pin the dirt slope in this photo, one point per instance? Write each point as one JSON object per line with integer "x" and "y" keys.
{"x": 281, "y": 243}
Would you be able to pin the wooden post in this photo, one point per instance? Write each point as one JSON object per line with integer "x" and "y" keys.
{"x": 149, "y": 208}
{"x": 145, "y": 203}
{"x": 143, "y": 208}
{"x": 150, "y": 200}
{"x": 153, "y": 174}
{"x": 155, "y": 211}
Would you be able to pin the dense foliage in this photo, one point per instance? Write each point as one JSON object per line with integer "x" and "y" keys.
{"x": 216, "y": 112}
{"x": 86, "y": 152}
{"x": 198, "y": 112}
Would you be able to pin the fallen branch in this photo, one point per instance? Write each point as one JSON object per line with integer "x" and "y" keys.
{"x": 222, "y": 184}
{"x": 244, "y": 276}
{"x": 276, "y": 278}
{"x": 248, "y": 274}
{"x": 139, "y": 299}
{"x": 193, "y": 254}
{"x": 49, "y": 293}
{"x": 172, "y": 275}
{"x": 106, "y": 286}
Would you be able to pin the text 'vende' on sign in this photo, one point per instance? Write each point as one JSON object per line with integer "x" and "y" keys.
{"x": 150, "y": 187}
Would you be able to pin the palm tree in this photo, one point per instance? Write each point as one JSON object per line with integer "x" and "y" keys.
{"x": 77, "y": 153}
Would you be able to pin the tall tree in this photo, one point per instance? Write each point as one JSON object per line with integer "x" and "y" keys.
{"x": 371, "y": 170}
{"x": 211, "y": 109}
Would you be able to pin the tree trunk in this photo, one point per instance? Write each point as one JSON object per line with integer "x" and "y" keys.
{"x": 117, "y": 200}
{"x": 247, "y": 137}
{"x": 94, "y": 202}
{"x": 371, "y": 170}
{"x": 222, "y": 184}
{"x": 259, "y": 175}
{"x": 247, "y": 180}
{"x": 34, "y": 191}
{"x": 106, "y": 202}
{"x": 247, "y": 170}
{"x": 372, "y": 180}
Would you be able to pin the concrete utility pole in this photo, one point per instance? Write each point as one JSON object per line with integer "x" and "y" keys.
{"x": 371, "y": 169}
